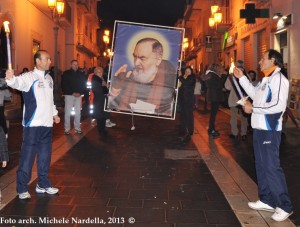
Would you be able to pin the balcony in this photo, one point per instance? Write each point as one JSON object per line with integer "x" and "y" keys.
{"x": 85, "y": 4}
{"x": 225, "y": 24}
{"x": 85, "y": 45}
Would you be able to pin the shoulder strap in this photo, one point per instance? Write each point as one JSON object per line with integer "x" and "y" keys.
{"x": 233, "y": 85}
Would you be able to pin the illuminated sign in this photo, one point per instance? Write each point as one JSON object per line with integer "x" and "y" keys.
{"x": 281, "y": 23}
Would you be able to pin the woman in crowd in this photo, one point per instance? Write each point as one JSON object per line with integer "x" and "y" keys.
{"x": 186, "y": 102}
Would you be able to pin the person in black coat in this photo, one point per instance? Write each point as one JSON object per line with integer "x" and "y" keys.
{"x": 186, "y": 103}
{"x": 100, "y": 90}
{"x": 214, "y": 83}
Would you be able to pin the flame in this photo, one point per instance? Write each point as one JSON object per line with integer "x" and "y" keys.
{"x": 6, "y": 28}
{"x": 232, "y": 66}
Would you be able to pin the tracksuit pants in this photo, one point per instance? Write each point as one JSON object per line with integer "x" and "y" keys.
{"x": 272, "y": 188}
{"x": 36, "y": 140}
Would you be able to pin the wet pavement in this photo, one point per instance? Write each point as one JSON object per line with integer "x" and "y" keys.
{"x": 148, "y": 177}
{"x": 242, "y": 152}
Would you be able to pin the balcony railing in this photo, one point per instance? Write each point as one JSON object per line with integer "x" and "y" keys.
{"x": 86, "y": 45}
{"x": 84, "y": 3}
{"x": 225, "y": 24}
{"x": 88, "y": 9}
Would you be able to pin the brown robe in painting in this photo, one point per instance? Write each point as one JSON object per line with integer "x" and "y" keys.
{"x": 160, "y": 92}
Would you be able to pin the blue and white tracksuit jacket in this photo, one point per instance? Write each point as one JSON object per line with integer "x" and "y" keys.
{"x": 270, "y": 98}
{"x": 39, "y": 109}
{"x": 37, "y": 90}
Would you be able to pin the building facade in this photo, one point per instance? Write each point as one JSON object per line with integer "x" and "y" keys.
{"x": 33, "y": 26}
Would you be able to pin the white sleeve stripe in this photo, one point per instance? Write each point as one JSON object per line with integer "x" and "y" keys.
{"x": 277, "y": 98}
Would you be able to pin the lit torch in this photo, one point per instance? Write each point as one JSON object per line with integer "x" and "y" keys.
{"x": 243, "y": 98}
{"x": 232, "y": 66}
{"x": 7, "y": 31}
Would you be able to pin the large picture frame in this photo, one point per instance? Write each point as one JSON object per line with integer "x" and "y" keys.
{"x": 143, "y": 69}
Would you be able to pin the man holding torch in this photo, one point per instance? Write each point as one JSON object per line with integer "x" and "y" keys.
{"x": 270, "y": 98}
{"x": 38, "y": 117}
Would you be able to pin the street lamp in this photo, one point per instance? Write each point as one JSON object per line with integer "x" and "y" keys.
{"x": 106, "y": 37}
{"x": 57, "y": 8}
{"x": 214, "y": 8}
{"x": 216, "y": 17}
{"x": 185, "y": 45}
{"x": 106, "y": 32}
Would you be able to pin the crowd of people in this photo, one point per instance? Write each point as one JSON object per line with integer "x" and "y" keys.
{"x": 215, "y": 86}
{"x": 258, "y": 101}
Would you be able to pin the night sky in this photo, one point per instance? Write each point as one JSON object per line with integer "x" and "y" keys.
{"x": 156, "y": 12}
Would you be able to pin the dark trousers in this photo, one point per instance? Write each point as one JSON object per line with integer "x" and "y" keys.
{"x": 3, "y": 120}
{"x": 100, "y": 116}
{"x": 36, "y": 140}
{"x": 272, "y": 188}
{"x": 101, "y": 124}
{"x": 214, "y": 107}
{"x": 186, "y": 117}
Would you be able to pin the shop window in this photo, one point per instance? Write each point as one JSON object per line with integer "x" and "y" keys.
{"x": 283, "y": 39}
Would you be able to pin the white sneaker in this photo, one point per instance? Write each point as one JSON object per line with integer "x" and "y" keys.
{"x": 109, "y": 124}
{"x": 280, "y": 214}
{"x": 24, "y": 195}
{"x": 78, "y": 131}
{"x": 259, "y": 205}
{"x": 49, "y": 190}
{"x": 67, "y": 132}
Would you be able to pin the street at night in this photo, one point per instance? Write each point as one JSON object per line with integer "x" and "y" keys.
{"x": 149, "y": 113}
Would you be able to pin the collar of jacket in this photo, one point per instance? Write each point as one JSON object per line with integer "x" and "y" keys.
{"x": 268, "y": 72}
{"x": 40, "y": 72}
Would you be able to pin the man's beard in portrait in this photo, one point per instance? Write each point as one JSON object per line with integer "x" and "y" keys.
{"x": 145, "y": 76}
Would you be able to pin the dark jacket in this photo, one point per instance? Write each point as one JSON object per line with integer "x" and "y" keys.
{"x": 99, "y": 95}
{"x": 73, "y": 81}
{"x": 186, "y": 90}
{"x": 214, "y": 85}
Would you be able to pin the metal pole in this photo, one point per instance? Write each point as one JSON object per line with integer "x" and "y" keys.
{"x": 56, "y": 79}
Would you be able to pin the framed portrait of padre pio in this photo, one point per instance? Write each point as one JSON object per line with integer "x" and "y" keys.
{"x": 143, "y": 70}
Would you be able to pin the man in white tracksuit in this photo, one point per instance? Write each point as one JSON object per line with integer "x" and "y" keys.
{"x": 38, "y": 116}
{"x": 270, "y": 98}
